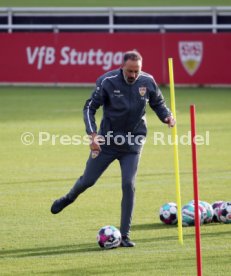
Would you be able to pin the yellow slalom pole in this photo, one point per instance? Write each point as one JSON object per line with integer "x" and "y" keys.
{"x": 176, "y": 158}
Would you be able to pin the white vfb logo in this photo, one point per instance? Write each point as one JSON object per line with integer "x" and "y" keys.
{"x": 43, "y": 55}
{"x": 191, "y": 53}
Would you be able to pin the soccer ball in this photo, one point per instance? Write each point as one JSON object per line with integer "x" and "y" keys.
{"x": 206, "y": 211}
{"x": 224, "y": 212}
{"x": 208, "y": 216}
{"x": 188, "y": 214}
{"x": 216, "y": 207}
{"x": 109, "y": 237}
{"x": 209, "y": 211}
{"x": 168, "y": 213}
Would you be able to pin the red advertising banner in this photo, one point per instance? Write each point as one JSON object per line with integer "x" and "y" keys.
{"x": 81, "y": 58}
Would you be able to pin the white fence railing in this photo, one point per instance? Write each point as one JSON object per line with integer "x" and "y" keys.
{"x": 112, "y": 12}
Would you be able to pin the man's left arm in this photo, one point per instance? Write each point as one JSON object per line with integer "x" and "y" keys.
{"x": 157, "y": 103}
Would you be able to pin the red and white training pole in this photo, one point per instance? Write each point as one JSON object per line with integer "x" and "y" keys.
{"x": 196, "y": 190}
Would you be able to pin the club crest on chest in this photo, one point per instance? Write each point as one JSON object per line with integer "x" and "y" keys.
{"x": 142, "y": 91}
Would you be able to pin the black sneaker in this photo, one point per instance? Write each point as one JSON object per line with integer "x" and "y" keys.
{"x": 126, "y": 242}
{"x": 60, "y": 204}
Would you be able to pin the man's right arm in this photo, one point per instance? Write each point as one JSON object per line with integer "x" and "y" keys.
{"x": 90, "y": 109}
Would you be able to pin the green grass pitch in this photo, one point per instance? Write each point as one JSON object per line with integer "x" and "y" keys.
{"x": 35, "y": 242}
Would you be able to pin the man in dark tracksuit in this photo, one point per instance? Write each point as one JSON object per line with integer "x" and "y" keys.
{"x": 124, "y": 94}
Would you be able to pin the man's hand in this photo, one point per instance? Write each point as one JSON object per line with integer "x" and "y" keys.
{"x": 94, "y": 146}
{"x": 95, "y": 142}
{"x": 170, "y": 121}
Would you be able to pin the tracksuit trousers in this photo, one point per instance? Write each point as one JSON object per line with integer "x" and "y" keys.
{"x": 96, "y": 166}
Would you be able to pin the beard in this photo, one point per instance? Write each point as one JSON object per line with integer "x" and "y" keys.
{"x": 129, "y": 80}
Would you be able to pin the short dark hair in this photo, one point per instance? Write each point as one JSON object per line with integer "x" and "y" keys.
{"x": 132, "y": 55}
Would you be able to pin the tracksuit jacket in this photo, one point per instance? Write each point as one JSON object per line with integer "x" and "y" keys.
{"x": 124, "y": 106}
